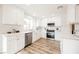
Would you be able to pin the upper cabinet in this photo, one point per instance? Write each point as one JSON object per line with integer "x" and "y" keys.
{"x": 70, "y": 13}
{"x": 77, "y": 13}
{"x": 12, "y": 15}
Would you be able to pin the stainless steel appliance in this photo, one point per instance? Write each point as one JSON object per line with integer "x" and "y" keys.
{"x": 28, "y": 39}
{"x": 50, "y": 33}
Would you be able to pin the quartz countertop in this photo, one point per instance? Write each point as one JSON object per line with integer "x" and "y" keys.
{"x": 6, "y": 34}
{"x": 71, "y": 37}
{"x": 68, "y": 37}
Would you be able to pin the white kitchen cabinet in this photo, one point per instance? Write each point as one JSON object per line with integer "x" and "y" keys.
{"x": 1, "y": 44}
{"x": 15, "y": 43}
{"x": 35, "y": 31}
{"x": 70, "y": 46}
{"x": 77, "y": 13}
{"x": 20, "y": 42}
{"x": 11, "y": 45}
{"x": 71, "y": 14}
{"x": 36, "y": 36}
{"x": 12, "y": 15}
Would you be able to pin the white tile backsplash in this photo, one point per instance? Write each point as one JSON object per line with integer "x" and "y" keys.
{"x": 6, "y": 28}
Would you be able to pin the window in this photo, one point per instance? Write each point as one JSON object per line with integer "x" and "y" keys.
{"x": 28, "y": 23}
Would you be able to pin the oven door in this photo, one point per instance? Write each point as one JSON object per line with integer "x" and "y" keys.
{"x": 51, "y": 34}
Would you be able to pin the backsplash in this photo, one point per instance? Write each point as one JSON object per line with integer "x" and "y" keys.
{"x": 7, "y": 28}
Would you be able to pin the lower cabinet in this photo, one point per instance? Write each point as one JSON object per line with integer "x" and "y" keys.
{"x": 70, "y": 46}
{"x": 11, "y": 45}
{"x": 1, "y": 45}
{"x": 20, "y": 41}
{"x": 15, "y": 43}
{"x": 35, "y": 36}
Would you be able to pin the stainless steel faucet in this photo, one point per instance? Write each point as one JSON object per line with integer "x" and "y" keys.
{"x": 14, "y": 30}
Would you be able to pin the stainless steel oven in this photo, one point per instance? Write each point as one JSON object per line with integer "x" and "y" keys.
{"x": 50, "y": 34}
{"x": 51, "y": 30}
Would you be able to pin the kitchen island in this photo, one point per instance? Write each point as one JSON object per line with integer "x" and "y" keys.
{"x": 69, "y": 44}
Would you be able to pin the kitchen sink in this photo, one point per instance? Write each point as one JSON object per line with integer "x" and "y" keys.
{"x": 13, "y": 32}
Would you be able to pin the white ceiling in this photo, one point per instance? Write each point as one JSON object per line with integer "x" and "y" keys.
{"x": 39, "y": 10}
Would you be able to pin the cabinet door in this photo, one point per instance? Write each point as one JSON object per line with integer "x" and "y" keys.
{"x": 20, "y": 17}
{"x": 36, "y": 36}
{"x": 12, "y": 15}
{"x": 20, "y": 41}
{"x": 9, "y": 14}
{"x": 1, "y": 45}
{"x": 11, "y": 45}
{"x": 70, "y": 46}
{"x": 77, "y": 13}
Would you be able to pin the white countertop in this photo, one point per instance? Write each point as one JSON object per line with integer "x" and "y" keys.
{"x": 5, "y": 34}
{"x": 70, "y": 37}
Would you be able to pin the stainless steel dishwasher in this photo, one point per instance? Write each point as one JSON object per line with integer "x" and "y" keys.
{"x": 28, "y": 39}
